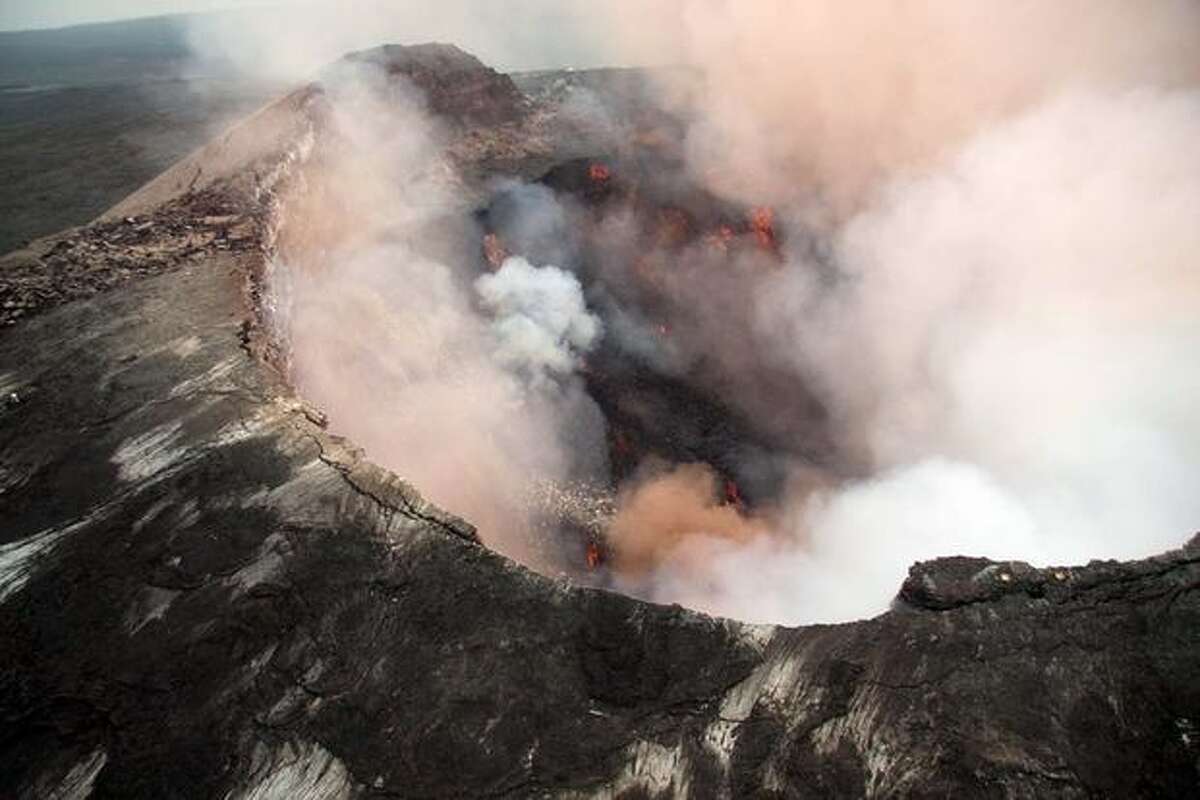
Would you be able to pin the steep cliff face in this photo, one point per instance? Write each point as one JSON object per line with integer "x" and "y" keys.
{"x": 205, "y": 594}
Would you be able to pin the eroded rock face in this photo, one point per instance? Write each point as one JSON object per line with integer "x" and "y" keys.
{"x": 107, "y": 255}
{"x": 457, "y": 86}
{"x": 204, "y": 594}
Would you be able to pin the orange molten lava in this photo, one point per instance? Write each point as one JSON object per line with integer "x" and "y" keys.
{"x": 762, "y": 222}
{"x": 673, "y": 228}
{"x": 733, "y": 495}
{"x": 599, "y": 173}
{"x": 720, "y": 238}
{"x": 594, "y": 556}
{"x": 494, "y": 251}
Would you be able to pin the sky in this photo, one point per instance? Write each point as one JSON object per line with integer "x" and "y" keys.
{"x": 25, "y": 14}
{"x": 311, "y": 33}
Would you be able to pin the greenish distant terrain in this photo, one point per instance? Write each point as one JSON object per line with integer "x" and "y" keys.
{"x": 88, "y": 114}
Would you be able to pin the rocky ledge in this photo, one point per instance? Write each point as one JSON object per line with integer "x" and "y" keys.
{"x": 204, "y": 594}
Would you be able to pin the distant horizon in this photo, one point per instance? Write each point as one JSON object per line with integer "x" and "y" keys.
{"x": 30, "y": 16}
{"x": 117, "y": 21}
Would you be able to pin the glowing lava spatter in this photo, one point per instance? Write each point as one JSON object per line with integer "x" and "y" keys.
{"x": 733, "y": 495}
{"x": 599, "y": 173}
{"x": 720, "y": 238}
{"x": 494, "y": 251}
{"x": 594, "y": 555}
{"x": 762, "y": 223}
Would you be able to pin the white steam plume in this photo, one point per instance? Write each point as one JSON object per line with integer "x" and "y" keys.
{"x": 1011, "y": 343}
{"x": 541, "y": 323}
{"x": 376, "y": 281}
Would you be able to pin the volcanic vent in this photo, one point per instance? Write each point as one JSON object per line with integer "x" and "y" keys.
{"x": 507, "y": 297}
{"x": 533, "y": 298}
{"x": 655, "y": 257}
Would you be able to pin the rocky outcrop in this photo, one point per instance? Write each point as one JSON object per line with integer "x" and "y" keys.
{"x": 457, "y": 86}
{"x": 109, "y": 254}
{"x": 205, "y": 594}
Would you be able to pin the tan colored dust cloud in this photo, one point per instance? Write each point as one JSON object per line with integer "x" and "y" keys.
{"x": 836, "y": 96}
{"x": 373, "y": 292}
{"x": 659, "y": 514}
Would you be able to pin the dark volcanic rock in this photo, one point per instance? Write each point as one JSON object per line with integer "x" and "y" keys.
{"x": 204, "y": 594}
{"x": 457, "y": 86}
{"x": 106, "y": 255}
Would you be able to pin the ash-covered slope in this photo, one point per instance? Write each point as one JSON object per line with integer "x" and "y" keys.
{"x": 204, "y": 594}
